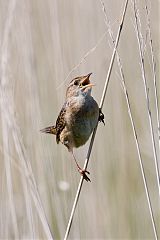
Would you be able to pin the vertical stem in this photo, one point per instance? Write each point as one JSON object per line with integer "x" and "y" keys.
{"x": 154, "y": 74}
{"x": 146, "y": 93}
{"x": 133, "y": 128}
{"x": 94, "y": 132}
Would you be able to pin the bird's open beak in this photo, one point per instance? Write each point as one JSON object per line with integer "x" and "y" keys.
{"x": 85, "y": 83}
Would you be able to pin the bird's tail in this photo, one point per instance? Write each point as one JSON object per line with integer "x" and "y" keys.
{"x": 51, "y": 130}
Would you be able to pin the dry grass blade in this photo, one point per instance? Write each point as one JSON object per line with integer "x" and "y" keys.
{"x": 10, "y": 129}
{"x": 84, "y": 58}
{"x": 5, "y": 130}
{"x": 154, "y": 72}
{"x": 139, "y": 157}
{"x": 94, "y": 132}
{"x": 31, "y": 180}
{"x": 140, "y": 45}
{"x": 132, "y": 123}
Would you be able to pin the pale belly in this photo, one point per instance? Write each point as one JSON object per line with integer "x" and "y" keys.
{"x": 80, "y": 125}
{"x": 83, "y": 129}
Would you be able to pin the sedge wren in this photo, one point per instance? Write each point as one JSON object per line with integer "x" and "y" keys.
{"x": 77, "y": 118}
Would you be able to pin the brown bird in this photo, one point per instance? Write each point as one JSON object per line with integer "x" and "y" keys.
{"x": 78, "y": 117}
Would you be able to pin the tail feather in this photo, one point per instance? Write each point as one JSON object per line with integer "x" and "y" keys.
{"x": 51, "y": 130}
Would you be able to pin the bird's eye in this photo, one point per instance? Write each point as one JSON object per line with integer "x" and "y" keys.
{"x": 76, "y": 82}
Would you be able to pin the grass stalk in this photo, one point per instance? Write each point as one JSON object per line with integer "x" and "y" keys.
{"x": 141, "y": 55}
{"x": 5, "y": 130}
{"x": 139, "y": 153}
{"x": 10, "y": 129}
{"x": 132, "y": 122}
{"x": 94, "y": 132}
{"x": 84, "y": 58}
{"x": 153, "y": 72}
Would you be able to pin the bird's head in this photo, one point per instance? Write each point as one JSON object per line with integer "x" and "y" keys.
{"x": 79, "y": 85}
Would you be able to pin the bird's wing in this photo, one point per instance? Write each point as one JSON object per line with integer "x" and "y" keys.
{"x": 60, "y": 123}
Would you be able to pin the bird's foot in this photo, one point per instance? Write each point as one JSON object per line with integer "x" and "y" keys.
{"x": 101, "y": 117}
{"x": 83, "y": 173}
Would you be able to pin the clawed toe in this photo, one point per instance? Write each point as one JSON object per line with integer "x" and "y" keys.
{"x": 83, "y": 173}
{"x": 101, "y": 117}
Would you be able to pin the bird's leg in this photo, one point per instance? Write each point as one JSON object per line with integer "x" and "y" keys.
{"x": 80, "y": 170}
{"x": 101, "y": 116}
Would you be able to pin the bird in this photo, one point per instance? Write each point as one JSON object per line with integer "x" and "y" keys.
{"x": 78, "y": 117}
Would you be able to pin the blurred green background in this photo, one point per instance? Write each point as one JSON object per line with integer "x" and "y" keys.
{"x": 41, "y": 42}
